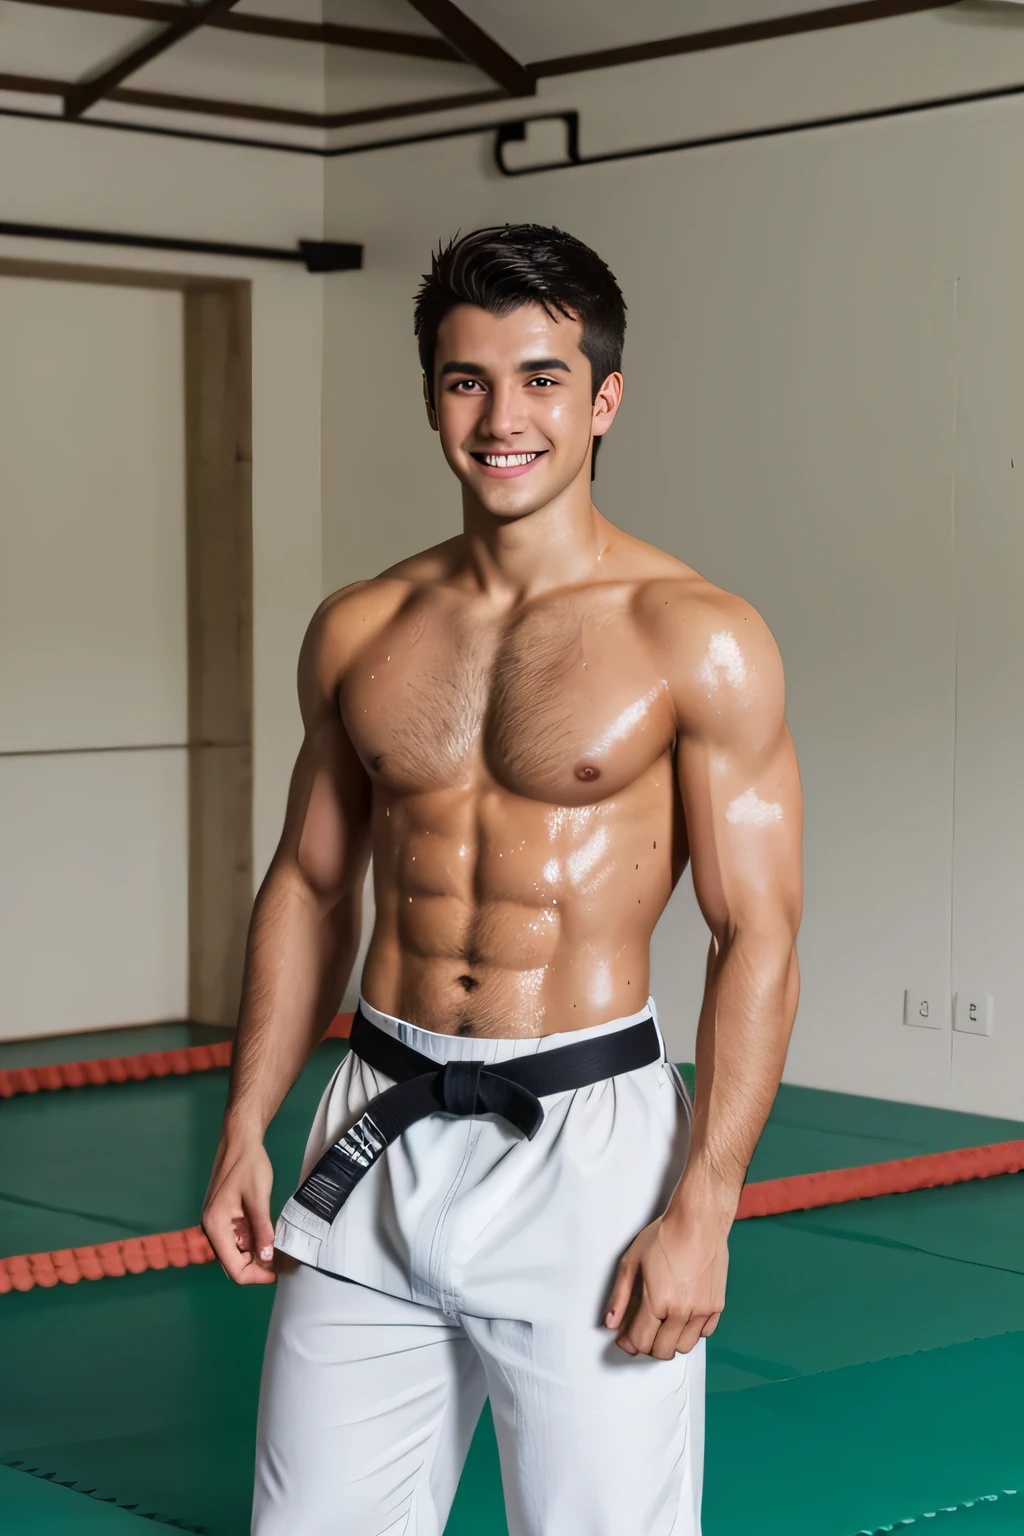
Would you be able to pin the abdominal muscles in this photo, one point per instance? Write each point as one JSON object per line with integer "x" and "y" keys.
{"x": 498, "y": 915}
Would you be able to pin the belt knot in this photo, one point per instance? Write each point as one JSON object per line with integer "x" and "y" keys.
{"x": 460, "y": 1086}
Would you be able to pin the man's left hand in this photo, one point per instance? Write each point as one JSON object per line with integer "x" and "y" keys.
{"x": 676, "y": 1267}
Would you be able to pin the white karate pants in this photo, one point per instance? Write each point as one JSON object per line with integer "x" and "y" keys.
{"x": 479, "y": 1264}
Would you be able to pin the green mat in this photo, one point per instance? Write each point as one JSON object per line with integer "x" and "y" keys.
{"x": 867, "y": 1447}
{"x": 820, "y": 1290}
{"x": 44, "y": 1508}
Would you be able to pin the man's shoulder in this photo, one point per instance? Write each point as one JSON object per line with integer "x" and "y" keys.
{"x": 667, "y": 591}
{"x": 717, "y": 651}
{"x": 676, "y": 603}
{"x": 428, "y": 566}
{"x": 354, "y": 613}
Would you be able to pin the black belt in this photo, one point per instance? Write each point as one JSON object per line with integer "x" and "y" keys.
{"x": 512, "y": 1089}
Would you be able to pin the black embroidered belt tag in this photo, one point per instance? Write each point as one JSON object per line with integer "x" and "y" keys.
{"x": 338, "y": 1172}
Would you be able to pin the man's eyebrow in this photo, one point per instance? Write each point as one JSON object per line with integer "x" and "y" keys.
{"x": 535, "y": 365}
{"x": 543, "y": 365}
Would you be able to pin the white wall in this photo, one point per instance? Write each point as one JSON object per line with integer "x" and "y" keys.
{"x": 988, "y": 883}
{"x": 56, "y": 174}
{"x": 814, "y": 417}
{"x": 93, "y": 766}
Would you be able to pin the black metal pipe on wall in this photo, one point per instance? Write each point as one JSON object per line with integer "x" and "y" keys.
{"x": 314, "y": 255}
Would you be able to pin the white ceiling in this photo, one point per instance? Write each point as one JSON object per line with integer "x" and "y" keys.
{"x": 390, "y": 15}
{"x": 531, "y": 30}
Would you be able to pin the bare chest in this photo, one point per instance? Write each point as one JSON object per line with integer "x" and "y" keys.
{"x": 559, "y": 706}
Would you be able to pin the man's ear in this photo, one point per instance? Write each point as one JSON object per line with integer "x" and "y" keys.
{"x": 431, "y": 413}
{"x": 606, "y": 403}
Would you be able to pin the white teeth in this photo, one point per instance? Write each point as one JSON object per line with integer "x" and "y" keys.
{"x": 508, "y": 460}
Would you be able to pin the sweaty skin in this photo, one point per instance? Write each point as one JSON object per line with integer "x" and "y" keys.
{"x": 522, "y": 765}
{"x": 533, "y": 727}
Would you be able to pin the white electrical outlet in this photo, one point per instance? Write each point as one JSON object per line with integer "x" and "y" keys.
{"x": 924, "y": 1010}
{"x": 973, "y": 1011}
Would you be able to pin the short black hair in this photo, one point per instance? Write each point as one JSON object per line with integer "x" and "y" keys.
{"x": 506, "y": 266}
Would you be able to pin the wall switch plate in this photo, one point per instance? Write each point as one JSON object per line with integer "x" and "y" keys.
{"x": 972, "y": 1012}
{"x": 924, "y": 1011}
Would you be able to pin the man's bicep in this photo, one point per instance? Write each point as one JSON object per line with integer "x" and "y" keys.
{"x": 740, "y": 788}
{"x": 327, "y": 821}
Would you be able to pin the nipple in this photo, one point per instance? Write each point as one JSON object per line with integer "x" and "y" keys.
{"x": 588, "y": 772}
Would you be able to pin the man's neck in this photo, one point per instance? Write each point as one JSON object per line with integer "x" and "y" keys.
{"x": 561, "y": 544}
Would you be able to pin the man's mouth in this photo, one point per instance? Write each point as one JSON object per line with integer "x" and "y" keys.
{"x": 503, "y": 465}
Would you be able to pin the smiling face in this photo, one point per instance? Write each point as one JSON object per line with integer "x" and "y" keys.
{"x": 515, "y": 406}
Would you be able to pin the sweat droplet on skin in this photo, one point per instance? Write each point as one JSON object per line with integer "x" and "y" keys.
{"x": 724, "y": 657}
{"x": 624, "y": 722}
{"x": 751, "y": 811}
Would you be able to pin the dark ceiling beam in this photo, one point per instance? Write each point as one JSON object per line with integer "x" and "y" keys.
{"x": 289, "y": 115}
{"x": 415, "y": 45}
{"x": 93, "y": 88}
{"x": 33, "y": 85}
{"x": 476, "y": 46}
{"x": 255, "y": 112}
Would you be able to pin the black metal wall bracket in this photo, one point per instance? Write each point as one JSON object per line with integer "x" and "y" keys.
{"x": 330, "y": 256}
{"x": 515, "y": 133}
{"x": 314, "y": 255}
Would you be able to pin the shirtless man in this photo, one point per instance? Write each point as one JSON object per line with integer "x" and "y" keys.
{"x": 532, "y": 727}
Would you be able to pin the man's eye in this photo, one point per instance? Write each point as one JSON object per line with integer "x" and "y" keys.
{"x": 466, "y": 386}
{"x": 541, "y": 380}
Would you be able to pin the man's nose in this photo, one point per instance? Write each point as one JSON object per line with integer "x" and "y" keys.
{"x": 504, "y": 416}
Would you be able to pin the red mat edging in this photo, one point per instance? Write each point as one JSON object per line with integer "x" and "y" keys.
{"x": 133, "y": 1069}
{"x": 99, "y": 1261}
{"x": 808, "y": 1191}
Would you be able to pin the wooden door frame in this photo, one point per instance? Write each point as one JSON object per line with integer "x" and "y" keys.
{"x": 218, "y": 541}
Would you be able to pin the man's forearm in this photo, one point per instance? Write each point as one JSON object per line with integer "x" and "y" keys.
{"x": 750, "y": 1002}
{"x": 299, "y": 957}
